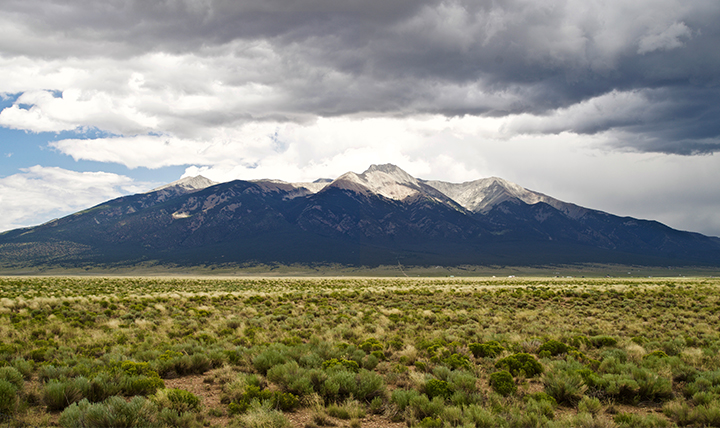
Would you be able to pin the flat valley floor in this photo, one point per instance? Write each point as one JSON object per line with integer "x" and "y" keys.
{"x": 359, "y": 352}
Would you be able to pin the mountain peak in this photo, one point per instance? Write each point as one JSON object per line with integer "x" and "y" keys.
{"x": 390, "y": 171}
{"x": 387, "y": 180}
{"x": 188, "y": 184}
{"x": 387, "y": 168}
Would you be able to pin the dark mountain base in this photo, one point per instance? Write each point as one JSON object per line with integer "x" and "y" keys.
{"x": 351, "y": 223}
{"x": 588, "y": 270}
{"x": 305, "y": 252}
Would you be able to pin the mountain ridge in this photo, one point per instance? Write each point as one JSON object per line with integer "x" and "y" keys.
{"x": 381, "y": 216}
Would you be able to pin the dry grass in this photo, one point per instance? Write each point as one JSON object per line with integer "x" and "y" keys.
{"x": 213, "y": 329}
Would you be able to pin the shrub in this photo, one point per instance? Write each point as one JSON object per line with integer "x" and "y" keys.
{"x": 377, "y": 405}
{"x": 704, "y": 397}
{"x": 402, "y": 398}
{"x": 553, "y": 347}
{"x": 171, "y": 418}
{"x": 7, "y": 350}
{"x": 503, "y": 383}
{"x": 23, "y": 366}
{"x": 423, "y": 407}
{"x": 340, "y": 384}
{"x": 462, "y": 381}
{"x": 334, "y": 363}
{"x": 701, "y": 415}
{"x": 543, "y": 408}
{"x": 141, "y": 385}
{"x": 630, "y": 420}
{"x": 442, "y": 372}
{"x": 565, "y": 386}
{"x": 39, "y": 355}
{"x": 590, "y": 405}
{"x": 370, "y": 362}
{"x": 113, "y": 412}
{"x": 578, "y": 341}
{"x": 291, "y": 378}
{"x": 320, "y": 418}
{"x": 57, "y": 394}
{"x": 621, "y": 387}
{"x": 673, "y": 346}
{"x": 183, "y": 364}
{"x": 137, "y": 369}
{"x": 101, "y": 387}
{"x": 708, "y": 415}
{"x": 520, "y": 364}
{"x": 705, "y": 381}
{"x": 277, "y": 400}
{"x": 651, "y": 386}
{"x": 262, "y": 415}
{"x": 586, "y": 420}
{"x": 540, "y": 396}
{"x": 590, "y": 378}
{"x": 486, "y": 350}
{"x": 380, "y": 355}
{"x": 337, "y": 411}
{"x": 370, "y": 345}
{"x": 12, "y": 375}
{"x": 458, "y": 361}
{"x": 50, "y": 371}
{"x": 269, "y": 358}
{"x": 8, "y": 398}
{"x": 431, "y": 423}
{"x": 533, "y": 415}
{"x": 138, "y": 378}
{"x": 437, "y": 388}
{"x": 638, "y": 385}
{"x": 368, "y": 385}
{"x": 285, "y": 401}
{"x": 680, "y": 412}
{"x": 178, "y": 400}
{"x": 481, "y": 418}
{"x": 603, "y": 341}
{"x": 656, "y": 354}
{"x": 618, "y": 355}
{"x": 350, "y": 409}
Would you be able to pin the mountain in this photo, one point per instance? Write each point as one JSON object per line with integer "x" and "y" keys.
{"x": 382, "y": 216}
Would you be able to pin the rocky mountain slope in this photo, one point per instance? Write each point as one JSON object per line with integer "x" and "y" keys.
{"x": 382, "y": 216}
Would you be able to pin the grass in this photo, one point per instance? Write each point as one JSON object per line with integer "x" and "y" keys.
{"x": 422, "y": 352}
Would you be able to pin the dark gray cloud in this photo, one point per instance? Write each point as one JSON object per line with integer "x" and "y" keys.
{"x": 550, "y": 59}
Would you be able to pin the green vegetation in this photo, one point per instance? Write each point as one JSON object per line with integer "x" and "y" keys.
{"x": 415, "y": 352}
{"x": 502, "y": 382}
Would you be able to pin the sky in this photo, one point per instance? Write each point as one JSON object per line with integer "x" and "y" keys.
{"x": 610, "y": 104}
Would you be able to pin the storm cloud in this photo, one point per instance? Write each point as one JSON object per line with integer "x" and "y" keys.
{"x": 649, "y": 69}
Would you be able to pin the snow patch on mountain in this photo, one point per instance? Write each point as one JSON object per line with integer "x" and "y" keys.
{"x": 188, "y": 184}
{"x": 484, "y": 194}
{"x": 385, "y": 180}
{"x": 313, "y": 187}
{"x": 181, "y": 187}
{"x": 292, "y": 190}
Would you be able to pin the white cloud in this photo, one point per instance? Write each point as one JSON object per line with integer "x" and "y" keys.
{"x": 33, "y": 119}
{"x": 670, "y": 38}
{"x": 324, "y": 148}
{"x": 38, "y": 194}
{"x": 611, "y": 110}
